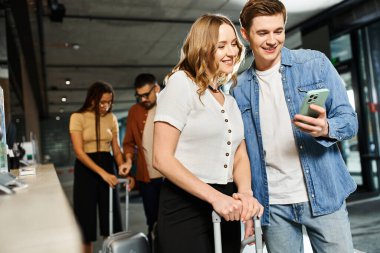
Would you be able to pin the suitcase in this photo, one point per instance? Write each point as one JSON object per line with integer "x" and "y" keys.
{"x": 126, "y": 241}
{"x": 257, "y": 238}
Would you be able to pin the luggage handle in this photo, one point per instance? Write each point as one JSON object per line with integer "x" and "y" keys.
{"x": 257, "y": 238}
{"x": 121, "y": 180}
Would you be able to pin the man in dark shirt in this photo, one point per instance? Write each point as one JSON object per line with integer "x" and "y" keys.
{"x": 139, "y": 133}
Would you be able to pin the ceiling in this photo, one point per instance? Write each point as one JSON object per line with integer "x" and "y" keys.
{"x": 115, "y": 40}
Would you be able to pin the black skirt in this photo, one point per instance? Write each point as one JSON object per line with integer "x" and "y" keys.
{"x": 185, "y": 224}
{"x": 91, "y": 195}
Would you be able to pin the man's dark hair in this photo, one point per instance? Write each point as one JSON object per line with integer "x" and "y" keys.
{"x": 144, "y": 79}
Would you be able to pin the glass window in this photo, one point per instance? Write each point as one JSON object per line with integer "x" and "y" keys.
{"x": 341, "y": 49}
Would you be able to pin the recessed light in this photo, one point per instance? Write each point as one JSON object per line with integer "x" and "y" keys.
{"x": 68, "y": 82}
{"x": 75, "y": 46}
{"x": 57, "y": 118}
{"x": 64, "y": 99}
{"x": 61, "y": 110}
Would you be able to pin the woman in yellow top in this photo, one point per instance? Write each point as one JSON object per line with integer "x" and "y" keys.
{"x": 94, "y": 132}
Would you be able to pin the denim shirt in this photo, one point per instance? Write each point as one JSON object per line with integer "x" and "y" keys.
{"x": 328, "y": 181}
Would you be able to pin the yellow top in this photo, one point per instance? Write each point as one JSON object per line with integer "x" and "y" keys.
{"x": 85, "y": 123}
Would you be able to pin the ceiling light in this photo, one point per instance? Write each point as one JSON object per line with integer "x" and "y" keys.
{"x": 75, "y": 46}
{"x": 64, "y": 99}
{"x": 57, "y": 118}
{"x": 68, "y": 81}
{"x": 61, "y": 110}
{"x": 57, "y": 11}
{"x": 297, "y": 6}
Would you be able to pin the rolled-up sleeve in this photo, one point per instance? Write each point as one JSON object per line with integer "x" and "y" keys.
{"x": 341, "y": 117}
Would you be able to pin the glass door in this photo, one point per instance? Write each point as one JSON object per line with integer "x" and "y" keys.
{"x": 369, "y": 79}
{"x": 341, "y": 55}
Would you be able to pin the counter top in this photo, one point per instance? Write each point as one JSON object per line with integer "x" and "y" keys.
{"x": 38, "y": 218}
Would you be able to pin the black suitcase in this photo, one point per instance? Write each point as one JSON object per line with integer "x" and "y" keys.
{"x": 257, "y": 238}
{"x": 126, "y": 241}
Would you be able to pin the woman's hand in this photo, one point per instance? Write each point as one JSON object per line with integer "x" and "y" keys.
{"x": 227, "y": 207}
{"x": 110, "y": 179}
{"x": 250, "y": 206}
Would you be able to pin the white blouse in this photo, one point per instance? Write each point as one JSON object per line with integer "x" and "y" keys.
{"x": 210, "y": 132}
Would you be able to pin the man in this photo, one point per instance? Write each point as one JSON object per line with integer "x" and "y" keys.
{"x": 139, "y": 132}
{"x": 298, "y": 174}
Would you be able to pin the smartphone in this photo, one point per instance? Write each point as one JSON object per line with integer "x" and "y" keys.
{"x": 317, "y": 97}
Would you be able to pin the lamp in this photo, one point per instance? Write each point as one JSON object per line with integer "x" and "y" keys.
{"x": 57, "y": 11}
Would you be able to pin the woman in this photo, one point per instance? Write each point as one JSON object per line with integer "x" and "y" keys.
{"x": 199, "y": 145}
{"x": 94, "y": 132}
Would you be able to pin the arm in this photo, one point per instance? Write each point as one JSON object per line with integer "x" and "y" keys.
{"x": 338, "y": 122}
{"x": 76, "y": 138}
{"x": 242, "y": 179}
{"x": 128, "y": 146}
{"x": 165, "y": 141}
{"x": 118, "y": 155}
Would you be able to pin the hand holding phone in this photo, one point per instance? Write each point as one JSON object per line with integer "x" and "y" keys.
{"x": 317, "y": 97}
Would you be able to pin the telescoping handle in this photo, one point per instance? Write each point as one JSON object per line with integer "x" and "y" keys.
{"x": 121, "y": 180}
{"x": 257, "y": 238}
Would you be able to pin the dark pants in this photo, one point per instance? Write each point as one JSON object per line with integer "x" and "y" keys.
{"x": 91, "y": 194}
{"x": 185, "y": 223}
{"x": 150, "y": 193}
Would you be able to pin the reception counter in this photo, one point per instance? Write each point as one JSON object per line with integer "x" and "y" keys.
{"x": 39, "y": 218}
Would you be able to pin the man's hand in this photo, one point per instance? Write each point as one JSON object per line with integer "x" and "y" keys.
{"x": 125, "y": 168}
{"x": 316, "y": 127}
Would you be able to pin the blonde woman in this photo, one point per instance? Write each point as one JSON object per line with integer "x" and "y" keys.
{"x": 199, "y": 145}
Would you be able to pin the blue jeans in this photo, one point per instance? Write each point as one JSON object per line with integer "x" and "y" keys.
{"x": 329, "y": 233}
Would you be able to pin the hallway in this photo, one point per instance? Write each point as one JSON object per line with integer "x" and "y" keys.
{"x": 364, "y": 217}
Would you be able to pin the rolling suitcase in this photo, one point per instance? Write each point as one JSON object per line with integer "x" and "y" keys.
{"x": 257, "y": 238}
{"x": 125, "y": 241}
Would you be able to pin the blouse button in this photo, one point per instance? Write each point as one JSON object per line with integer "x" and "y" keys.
{"x": 226, "y": 120}
{"x": 222, "y": 111}
{"x": 225, "y": 166}
{"x": 229, "y": 131}
{"x": 227, "y": 154}
{"x": 228, "y": 143}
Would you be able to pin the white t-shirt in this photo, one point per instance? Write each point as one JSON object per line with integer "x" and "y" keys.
{"x": 284, "y": 171}
{"x": 210, "y": 132}
{"x": 147, "y": 144}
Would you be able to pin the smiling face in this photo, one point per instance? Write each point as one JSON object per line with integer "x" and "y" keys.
{"x": 266, "y": 37}
{"x": 226, "y": 49}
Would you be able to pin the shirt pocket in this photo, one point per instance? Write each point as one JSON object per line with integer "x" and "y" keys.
{"x": 246, "y": 113}
{"x": 303, "y": 88}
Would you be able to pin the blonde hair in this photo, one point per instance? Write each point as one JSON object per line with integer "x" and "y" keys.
{"x": 198, "y": 52}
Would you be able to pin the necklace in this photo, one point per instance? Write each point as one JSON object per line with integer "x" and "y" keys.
{"x": 213, "y": 89}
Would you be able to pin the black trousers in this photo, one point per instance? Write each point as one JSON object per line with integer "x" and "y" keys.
{"x": 185, "y": 224}
{"x": 91, "y": 194}
{"x": 150, "y": 193}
